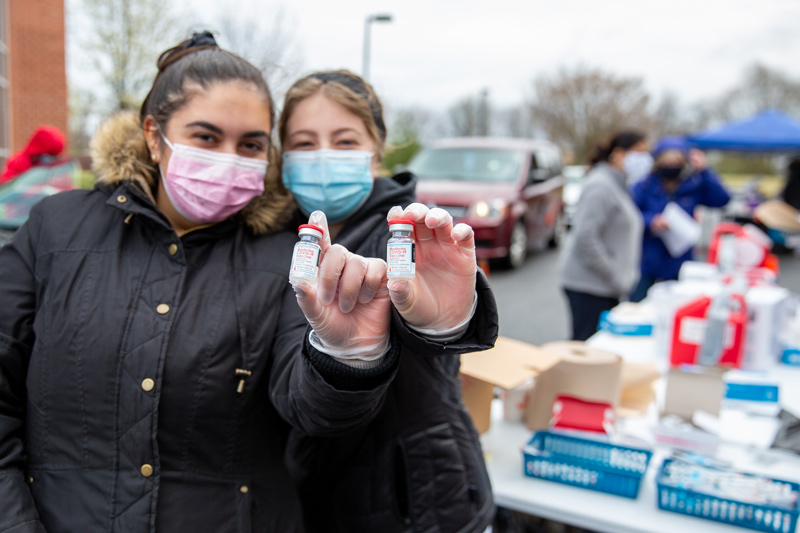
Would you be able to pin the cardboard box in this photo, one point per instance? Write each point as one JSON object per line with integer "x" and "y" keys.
{"x": 637, "y": 388}
{"x": 564, "y": 368}
{"x": 694, "y": 388}
{"x": 582, "y": 371}
{"x": 508, "y": 365}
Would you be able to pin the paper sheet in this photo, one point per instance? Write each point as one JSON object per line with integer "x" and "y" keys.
{"x": 683, "y": 232}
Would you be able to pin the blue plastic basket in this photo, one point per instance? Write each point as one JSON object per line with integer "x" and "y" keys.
{"x": 586, "y": 463}
{"x": 752, "y": 516}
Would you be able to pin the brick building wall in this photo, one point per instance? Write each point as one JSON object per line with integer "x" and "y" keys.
{"x": 36, "y": 69}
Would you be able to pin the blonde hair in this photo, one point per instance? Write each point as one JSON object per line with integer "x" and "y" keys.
{"x": 346, "y": 89}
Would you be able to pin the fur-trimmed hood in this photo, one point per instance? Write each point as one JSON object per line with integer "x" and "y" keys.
{"x": 120, "y": 154}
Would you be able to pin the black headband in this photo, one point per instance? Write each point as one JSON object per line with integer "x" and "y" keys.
{"x": 355, "y": 85}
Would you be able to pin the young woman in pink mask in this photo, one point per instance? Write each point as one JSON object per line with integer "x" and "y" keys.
{"x": 153, "y": 356}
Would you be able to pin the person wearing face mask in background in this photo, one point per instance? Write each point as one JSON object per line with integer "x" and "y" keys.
{"x": 153, "y": 356}
{"x": 637, "y": 166}
{"x": 680, "y": 175}
{"x": 418, "y": 466}
{"x": 599, "y": 264}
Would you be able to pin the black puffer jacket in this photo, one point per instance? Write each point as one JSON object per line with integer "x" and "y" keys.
{"x": 119, "y": 350}
{"x": 418, "y": 466}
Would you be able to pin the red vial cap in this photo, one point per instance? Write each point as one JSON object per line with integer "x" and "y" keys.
{"x": 310, "y": 226}
{"x": 411, "y": 222}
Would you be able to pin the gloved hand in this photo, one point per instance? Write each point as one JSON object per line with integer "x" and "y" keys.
{"x": 442, "y": 294}
{"x": 349, "y": 309}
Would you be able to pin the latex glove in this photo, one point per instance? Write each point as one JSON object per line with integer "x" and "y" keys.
{"x": 442, "y": 294}
{"x": 349, "y": 308}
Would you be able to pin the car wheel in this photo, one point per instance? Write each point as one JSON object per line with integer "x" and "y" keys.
{"x": 518, "y": 245}
{"x": 559, "y": 230}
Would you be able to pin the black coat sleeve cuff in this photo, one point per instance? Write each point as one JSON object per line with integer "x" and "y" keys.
{"x": 480, "y": 334}
{"x": 347, "y": 378}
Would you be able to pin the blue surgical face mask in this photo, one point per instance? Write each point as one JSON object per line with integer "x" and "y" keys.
{"x": 336, "y": 182}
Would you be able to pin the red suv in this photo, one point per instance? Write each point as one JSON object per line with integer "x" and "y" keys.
{"x": 508, "y": 190}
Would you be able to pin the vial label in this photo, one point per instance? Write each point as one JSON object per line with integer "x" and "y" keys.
{"x": 400, "y": 258}
{"x": 305, "y": 259}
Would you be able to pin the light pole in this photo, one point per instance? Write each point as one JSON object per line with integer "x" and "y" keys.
{"x": 383, "y": 17}
{"x": 483, "y": 113}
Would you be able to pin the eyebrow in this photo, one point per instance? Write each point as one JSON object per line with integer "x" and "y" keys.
{"x": 303, "y": 132}
{"x": 218, "y": 131}
{"x": 346, "y": 130}
{"x": 314, "y": 133}
{"x": 206, "y": 125}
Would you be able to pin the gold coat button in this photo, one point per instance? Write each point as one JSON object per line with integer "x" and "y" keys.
{"x": 30, "y": 480}
{"x": 147, "y": 470}
{"x": 244, "y": 489}
{"x": 148, "y": 384}
{"x": 173, "y": 249}
{"x": 162, "y": 309}
{"x": 122, "y": 198}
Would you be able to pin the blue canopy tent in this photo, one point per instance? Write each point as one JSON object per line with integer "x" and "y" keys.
{"x": 768, "y": 131}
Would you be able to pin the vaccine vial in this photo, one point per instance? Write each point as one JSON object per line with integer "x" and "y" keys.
{"x": 305, "y": 259}
{"x": 400, "y": 250}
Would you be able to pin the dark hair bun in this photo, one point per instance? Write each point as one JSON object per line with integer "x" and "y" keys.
{"x": 625, "y": 140}
{"x": 599, "y": 153}
{"x": 199, "y": 41}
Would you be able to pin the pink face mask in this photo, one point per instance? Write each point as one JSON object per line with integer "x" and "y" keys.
{"x": 206, "y": 186}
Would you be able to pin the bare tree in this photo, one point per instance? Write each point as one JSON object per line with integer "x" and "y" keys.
{"x": 82, "y": 104}
{"x": 407, "y": 127}
{"x": 407, "y": 124}
{"x": 263, "y": 34}
{"x": 471, "y": 116}
{"x": 670, "y": 117}
{"x": 761, "y": 87}
{"x": 515, "y": 121}
{"x": 463, "y": 117}
{"x": 578, "y": 108}
{"x": 124, "y": 38}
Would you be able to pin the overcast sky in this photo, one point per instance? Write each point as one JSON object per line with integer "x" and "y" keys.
{"x": 435, "y": 52}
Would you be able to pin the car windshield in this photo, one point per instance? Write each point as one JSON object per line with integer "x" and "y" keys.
{"x": 467, "y": 164}
{"x": 18, "y": 196}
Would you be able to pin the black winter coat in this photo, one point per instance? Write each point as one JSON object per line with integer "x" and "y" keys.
{"x": 121, "y": 351}
{"x": 419, "y": 465}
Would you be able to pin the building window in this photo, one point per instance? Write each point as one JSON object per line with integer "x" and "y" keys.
{"x": 4, "y": 86}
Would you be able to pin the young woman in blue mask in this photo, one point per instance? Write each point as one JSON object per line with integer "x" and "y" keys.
{"x": 418, "y": 466}
{"x": 153, "y": 357}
